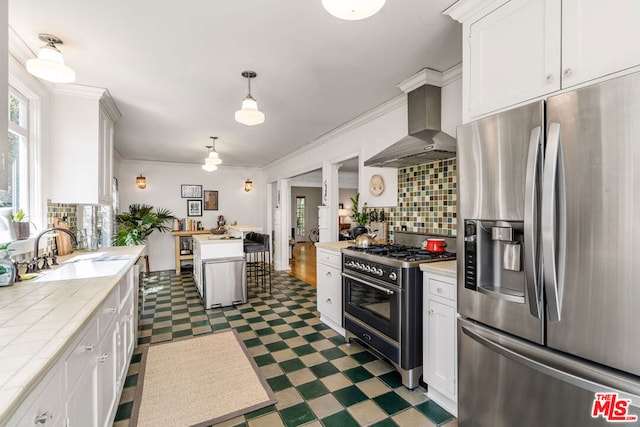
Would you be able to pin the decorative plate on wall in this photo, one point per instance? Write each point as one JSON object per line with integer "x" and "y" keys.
{"x": 376, "y": 185}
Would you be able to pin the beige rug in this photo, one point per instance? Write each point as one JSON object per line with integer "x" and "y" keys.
{"x": 198, "y": 382}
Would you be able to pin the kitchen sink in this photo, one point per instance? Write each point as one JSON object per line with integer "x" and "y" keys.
{"x": 84, "y": 267}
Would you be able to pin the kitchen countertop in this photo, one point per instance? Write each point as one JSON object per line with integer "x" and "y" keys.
{"x": 216, "y": 238}
{"x": 446, "y": 268}
{"x": 38, "y": 320}
{"x": 335, "y": 246}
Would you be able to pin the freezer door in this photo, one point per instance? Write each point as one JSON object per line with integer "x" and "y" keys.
{"x": 498, "y": 165}
{"x": 598, "y": 283}
{"x": 506, "y": 382}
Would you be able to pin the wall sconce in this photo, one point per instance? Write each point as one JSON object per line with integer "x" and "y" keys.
{"x": 248, "y": 185}
{"x": 141, "y": 182}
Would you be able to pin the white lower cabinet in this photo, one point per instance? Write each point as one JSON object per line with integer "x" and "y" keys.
{"x": 83, "y": 388}
{"x": 440, "y": 344}
{"x": 329, "y": 291}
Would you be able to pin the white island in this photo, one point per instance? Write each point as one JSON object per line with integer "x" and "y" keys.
{"x": 219, "y": 270}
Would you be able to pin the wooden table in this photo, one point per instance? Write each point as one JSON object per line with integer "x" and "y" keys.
{"x": 178, "y": 235}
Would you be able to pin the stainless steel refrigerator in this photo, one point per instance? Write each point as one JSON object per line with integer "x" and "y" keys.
{"x": 549, "y": 261}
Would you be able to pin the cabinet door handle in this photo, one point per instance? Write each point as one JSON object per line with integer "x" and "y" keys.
{"x": 328, "y": 274}
{"x": 329, "y": 301}
{"x": 550, "y": 78}
{"x": 439, "y": 290}
{"x": 88, "y": 347}
{"x": 103, "y": 358}
{"x": 42, "y": 418}
{"x": 568, "y": 72}
{"x": 431, "y": 311}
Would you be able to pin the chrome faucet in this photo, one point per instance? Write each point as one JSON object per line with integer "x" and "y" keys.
{"x": 33, "y": 267}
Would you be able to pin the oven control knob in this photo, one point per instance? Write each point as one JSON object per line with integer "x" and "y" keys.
{"x": 358, "y": 266}
{"x": 379, "y": 272}
{"x": 393, "y": 275}
{"x": 367, "y": 268}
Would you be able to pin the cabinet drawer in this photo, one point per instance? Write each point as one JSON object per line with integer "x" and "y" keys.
{"x": 46, "y": 407}
{"x": 330, "y": 292}
{"x": 84, "y": 354}
{"x": 330, "y": 258}
{"x": 442, "y": 289}
{"x": 125, "y": 289}
{"x": 107, "y": 313}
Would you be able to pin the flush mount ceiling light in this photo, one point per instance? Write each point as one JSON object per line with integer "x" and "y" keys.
{"x": 353, "y": 10}
{"x": 248, "y": 185}
{"x": 49, "y": 65}
{"x": 141, "y": 182}
{"x": 249, "y": 114}
{"x": 212, "y": 161}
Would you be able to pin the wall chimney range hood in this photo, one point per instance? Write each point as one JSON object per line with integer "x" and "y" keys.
{"x": 425, "y": 141}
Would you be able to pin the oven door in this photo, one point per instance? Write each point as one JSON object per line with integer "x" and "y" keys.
{"x": 374, "y": 304}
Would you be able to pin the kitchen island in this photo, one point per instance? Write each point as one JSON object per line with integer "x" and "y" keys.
{"x": 219, "y": 269}
{"x": 52, "y": 332}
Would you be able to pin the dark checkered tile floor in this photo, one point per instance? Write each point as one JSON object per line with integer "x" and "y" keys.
{"x": 318, "y": 379}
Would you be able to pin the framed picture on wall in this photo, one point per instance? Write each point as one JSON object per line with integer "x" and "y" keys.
{"x": 210, "y": 200}
{"x": 188, "y": 191}
{"x": 194, "y": 207}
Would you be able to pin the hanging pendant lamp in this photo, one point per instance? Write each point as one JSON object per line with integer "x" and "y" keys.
{"x": 49, "y": 65}
{"x": 353, "y": 10}
{"x": 249, "y": 114}
{"x": 212, "y": 161}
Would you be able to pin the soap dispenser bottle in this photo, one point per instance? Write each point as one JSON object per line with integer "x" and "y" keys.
{"x": 7, "y": 269}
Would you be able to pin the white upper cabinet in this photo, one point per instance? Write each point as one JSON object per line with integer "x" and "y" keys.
{"x": 598, "y": 38}
{"x": 520, "y": 50}
{"x": 514, "y": 54}
{"x": 82, "y": 138}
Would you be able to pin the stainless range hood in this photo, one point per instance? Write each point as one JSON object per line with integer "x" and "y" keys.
{"x": 425, "y": 141}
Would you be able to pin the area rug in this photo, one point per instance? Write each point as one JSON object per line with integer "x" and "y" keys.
{"x": 198, "y": 382}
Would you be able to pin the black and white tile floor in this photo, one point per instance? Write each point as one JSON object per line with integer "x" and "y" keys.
{"x": 318, "y": 379}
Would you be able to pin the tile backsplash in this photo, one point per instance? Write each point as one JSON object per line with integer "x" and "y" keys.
{"x": 426, "y": 199}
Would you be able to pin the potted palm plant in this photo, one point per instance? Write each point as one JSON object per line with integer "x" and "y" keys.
{"x": 361, "y": 217}
{"x": 137, "y": 224}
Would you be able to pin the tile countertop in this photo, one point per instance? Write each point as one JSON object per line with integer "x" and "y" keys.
{"x": 335, "y": 246}
{"x": 446, "y": 268}
{"x": 38, "y": 320}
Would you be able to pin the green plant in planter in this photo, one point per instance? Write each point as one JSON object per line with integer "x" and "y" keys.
{"x": 362, "y": 218}
{"x": 137, "y": 224}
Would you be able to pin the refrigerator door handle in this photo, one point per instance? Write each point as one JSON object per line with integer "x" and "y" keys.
{"x": 531, "y": 223}
{"x": 554, "y": 222}
{"x": 554, "y": 365}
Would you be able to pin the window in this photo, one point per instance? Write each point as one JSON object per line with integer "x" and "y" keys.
{"x": 17, "y": 193}
{"x": 300, "y": 202}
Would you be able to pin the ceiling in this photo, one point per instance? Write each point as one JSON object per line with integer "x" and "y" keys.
{"x": 174, "y": 68}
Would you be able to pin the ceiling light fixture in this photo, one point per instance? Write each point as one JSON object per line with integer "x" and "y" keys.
{"x": 141, "y": 182}
{"x": 49, "y": 65}
{"x": 353, "y": 10}
{"x": 212, "y": 161}
{"x": 248, "y": 185}
{"x": 249, "y": 114}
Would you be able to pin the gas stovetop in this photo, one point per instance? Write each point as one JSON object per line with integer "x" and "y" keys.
{"x": 398, "y": 255}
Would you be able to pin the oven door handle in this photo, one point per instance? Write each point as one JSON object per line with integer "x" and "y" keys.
{"x": 380, "y": 288}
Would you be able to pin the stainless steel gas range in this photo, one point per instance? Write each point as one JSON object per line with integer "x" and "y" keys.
{"x": 382, "y": 301}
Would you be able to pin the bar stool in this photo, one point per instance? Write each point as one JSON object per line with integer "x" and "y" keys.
{"x": 257, "y": 254}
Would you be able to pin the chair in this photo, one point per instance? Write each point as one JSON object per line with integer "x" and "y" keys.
{"x": 258, "y": 255}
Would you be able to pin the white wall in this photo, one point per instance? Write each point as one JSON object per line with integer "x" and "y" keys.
{"x": 163, "y": 190}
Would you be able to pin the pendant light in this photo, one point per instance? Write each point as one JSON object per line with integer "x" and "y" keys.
{"x": 141, "y": 182}
{"x": 249, "y": 114}
{"x": 212, "y": 161}
{"x": 49, "y": 65}
{"x": 353, "y": 10}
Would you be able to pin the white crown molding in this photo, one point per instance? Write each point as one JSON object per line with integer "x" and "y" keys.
{"x": 452, "y": 74}
{"x": 465, "y": 10}
{"x": 18, "y": 48}
{"x": 100, "y": 94}
{"x": 421, "y": 78}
